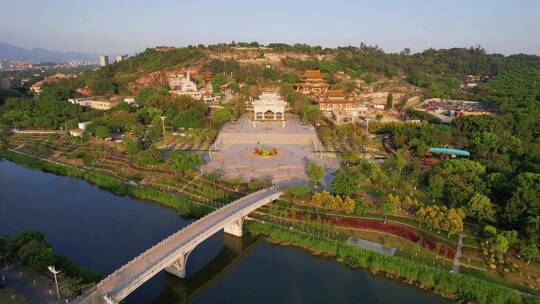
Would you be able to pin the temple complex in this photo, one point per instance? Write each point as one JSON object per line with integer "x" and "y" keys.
{"x": 340, "y": 106}
{"x": 269, "y": 107}
{"x": 312, "y": 82}
{"x": 182, "y": 85}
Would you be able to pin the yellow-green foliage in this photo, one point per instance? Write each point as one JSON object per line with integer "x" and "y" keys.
{"x": 328, "y": 201}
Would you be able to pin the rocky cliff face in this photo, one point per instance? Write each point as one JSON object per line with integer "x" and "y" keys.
{"x": 153, "y": 79}
{"x": 251, "y": 56}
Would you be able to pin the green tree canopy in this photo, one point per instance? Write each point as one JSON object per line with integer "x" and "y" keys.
{"x": 148, "y": 157}
{"x": 525, "y": 201}
{"x": 346, "y": 182}
{"x": 183, "y": 161}
{"x": 311, "y": 113}
{"x": 102, "y": 131}
{"x": 190, "y": 118}
{"x": 315, "y": 173}
{"x": 217, "y": 82}
{"x": 221, "y": 116}
{"x": 481, "y": 208}
{"x": 461, "y": 178}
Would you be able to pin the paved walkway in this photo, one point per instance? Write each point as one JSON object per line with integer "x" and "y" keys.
{"x": 459, "y": 253}
{"x": 372, "y": 246}
{"x": 190, "y": 182}
{"x": 34, "y": 288}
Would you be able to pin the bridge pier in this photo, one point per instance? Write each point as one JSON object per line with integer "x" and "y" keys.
{"x": 171, "y": 254}
{"x": 178, "y": 268}
{"x": 235, "y": 227}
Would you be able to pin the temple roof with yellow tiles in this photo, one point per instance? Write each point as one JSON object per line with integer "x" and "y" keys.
{"x": 336, "y": 96}
{"x": 312, "y": 75}
{"x": 313, "y": 79}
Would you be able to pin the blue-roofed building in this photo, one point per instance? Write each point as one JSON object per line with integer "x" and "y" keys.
{"x": 437, "y": 154}
{"x": 450, "y": 151}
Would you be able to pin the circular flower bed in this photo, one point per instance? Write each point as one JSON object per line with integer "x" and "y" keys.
{"x": 265, "y": 151}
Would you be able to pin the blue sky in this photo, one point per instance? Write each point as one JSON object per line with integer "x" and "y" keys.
{"x": 112, "y": 27}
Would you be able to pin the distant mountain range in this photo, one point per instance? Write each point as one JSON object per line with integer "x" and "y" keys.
{"x": 11, "y": 52}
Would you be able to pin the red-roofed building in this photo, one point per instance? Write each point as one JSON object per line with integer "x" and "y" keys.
{"x": 340, "y": 106}
{"x": 312, "y": 82}
{"x": 36, "y": 87}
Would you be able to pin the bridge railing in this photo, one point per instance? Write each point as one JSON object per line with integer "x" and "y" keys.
{"x": 165, "y": 259}
{"x": 147, "y": 251}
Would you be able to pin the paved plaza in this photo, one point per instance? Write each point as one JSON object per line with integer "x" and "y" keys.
{"x": 244, "y": 131}
{"x": 294, "y": 144}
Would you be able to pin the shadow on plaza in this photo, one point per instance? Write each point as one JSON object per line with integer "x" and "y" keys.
{"x": 176, "y": 290}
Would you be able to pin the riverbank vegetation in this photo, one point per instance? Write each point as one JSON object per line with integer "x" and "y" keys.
{"x": 184, "y": 206}
{"x": 457, "y": 287}
{"x": 8, "y": 295}
{"x": 31, "y": 250}
{"x": 420, "y": 243}
{"x": 424, "y": 232}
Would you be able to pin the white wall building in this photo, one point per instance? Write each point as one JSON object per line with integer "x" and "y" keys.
{"x": 84, "y": 101}
{"x": 82, "y": 125}
{"x": 182, "y": 85}
{"x": 351, "y": 114}
{"x": 269, "y": 107}
{"x": 121, "y": 58}
{"x": 103, "y": 60}
{"x": 129, "y": 100}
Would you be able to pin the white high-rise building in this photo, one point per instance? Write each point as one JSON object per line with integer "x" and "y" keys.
{"x": 103, "y": 60}
{"x": 121, "y": 57}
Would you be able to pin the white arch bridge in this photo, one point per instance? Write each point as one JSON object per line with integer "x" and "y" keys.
{"x": 171, "y": 254}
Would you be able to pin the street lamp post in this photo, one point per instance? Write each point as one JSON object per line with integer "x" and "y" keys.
{"x": 367, "y": 126}
{"x": 55, "y": 272}
{"x": 163, "y": 125}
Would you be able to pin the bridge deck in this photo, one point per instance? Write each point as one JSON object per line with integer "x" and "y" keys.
{"x": 123, "y": 281}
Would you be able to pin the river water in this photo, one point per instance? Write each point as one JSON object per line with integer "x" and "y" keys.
{"x": 102, "y": 231}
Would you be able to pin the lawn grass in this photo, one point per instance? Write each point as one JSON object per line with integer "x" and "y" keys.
{"x": 493, "y": 277}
